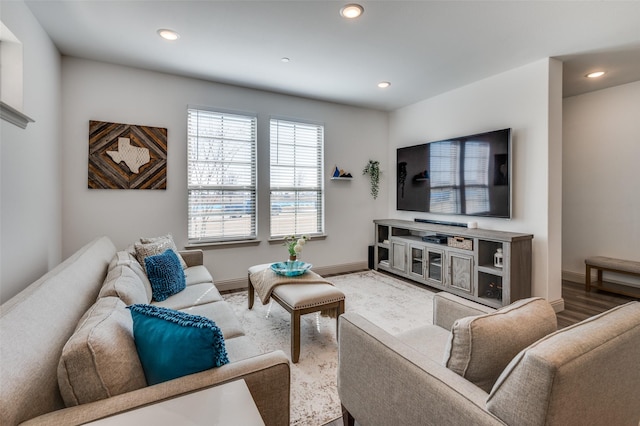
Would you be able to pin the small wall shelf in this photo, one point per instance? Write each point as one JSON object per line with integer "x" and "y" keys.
{"x": 11, "y": 82}
{"x": 14, "y": 116}
{"x": 339, "y": 174}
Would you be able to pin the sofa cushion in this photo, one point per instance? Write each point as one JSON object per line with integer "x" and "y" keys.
{"x": 222, "y": 314}
{"x": 428, "y": 340}
{"x": 124, "y": 258}
{"x": 156, "y": 245}
{"x": 480, "y": 347}
{"x": 241, "y": 347}
{"x": 194, "y": 295}
{"x": 123, "y": 283}
{"x": 197, "y": 275}
{"x": 100, "y": 359}
{"x": 173, "y": 344}
{"x": 165, "y": 274}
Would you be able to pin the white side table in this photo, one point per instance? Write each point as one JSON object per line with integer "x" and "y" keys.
{"x": 228, "y": 404}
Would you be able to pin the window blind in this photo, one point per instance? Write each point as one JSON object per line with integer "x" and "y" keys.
{"x": 221, "y": 176}
{"x": 297, "y": 182}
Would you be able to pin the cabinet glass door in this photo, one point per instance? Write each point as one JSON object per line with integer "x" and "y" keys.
{"x": 434, "y": 265}
{"x": 417, "y": 261}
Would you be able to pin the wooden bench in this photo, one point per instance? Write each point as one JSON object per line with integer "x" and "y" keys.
{"x": 609, "y": 264}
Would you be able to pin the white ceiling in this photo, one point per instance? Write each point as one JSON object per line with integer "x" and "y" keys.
{"x": 423, "y": 48}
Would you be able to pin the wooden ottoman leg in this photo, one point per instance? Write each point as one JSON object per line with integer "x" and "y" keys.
{"x": 251, "y": 291}
{"x": 587, "y": 279}
{"x": 295, "y": 335}
{"x": 340, "y": 311}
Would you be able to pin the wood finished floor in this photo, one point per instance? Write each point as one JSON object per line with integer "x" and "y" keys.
{"x": 578, "y": 305}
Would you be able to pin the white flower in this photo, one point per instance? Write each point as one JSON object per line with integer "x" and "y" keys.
{"x": 294, "y": 244}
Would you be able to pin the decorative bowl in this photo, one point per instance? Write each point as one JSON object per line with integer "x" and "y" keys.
{"x": 290, "y": 268}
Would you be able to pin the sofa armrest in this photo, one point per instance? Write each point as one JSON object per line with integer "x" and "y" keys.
{"x": 267, "y": 377}
{"x": 382, "y": 381}
{"x": 192, "y": 257}
{"x": 447, "y": 308}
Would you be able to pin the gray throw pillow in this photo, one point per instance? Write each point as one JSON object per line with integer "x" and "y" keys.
{"x": 156, "y": 245}
{"x": 100, "y": 359}
{"x": 124, "y": 283}
{"x": 480, "y": 347}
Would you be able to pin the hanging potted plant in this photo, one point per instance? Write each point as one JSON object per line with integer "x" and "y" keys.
{"x": 373, "y": 170}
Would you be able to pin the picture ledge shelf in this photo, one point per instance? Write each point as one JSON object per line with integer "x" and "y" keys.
{"x": 14, "y": 116}
{"x": 341, "y": 178}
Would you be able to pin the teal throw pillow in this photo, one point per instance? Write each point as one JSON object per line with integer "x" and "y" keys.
{"x": 173, "y": 344}
{"x": 165, "y": 275}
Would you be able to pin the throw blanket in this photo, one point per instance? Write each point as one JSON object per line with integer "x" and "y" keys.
{"x": 266, "y": 280}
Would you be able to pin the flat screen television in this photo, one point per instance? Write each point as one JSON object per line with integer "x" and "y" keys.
{"x": 469, "y": 175}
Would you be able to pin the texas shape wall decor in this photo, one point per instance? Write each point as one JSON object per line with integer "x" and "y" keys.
{"x": 125, "y": 156}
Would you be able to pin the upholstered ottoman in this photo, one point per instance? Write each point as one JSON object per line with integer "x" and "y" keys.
{"x": 299, "y": 295}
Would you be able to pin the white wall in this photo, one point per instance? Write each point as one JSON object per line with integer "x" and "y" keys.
{"x": 601, "y": 167}
{"x": 528, "y": 100}
{"x": 30, "y": 207}
{"x": 98, "y": 91}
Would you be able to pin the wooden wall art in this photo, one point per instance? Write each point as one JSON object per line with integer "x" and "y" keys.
{"x": 124, "y": 156}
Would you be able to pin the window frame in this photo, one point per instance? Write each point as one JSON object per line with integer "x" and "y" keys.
{"x": 318, "y": 188}
{"x": 226, "y": 209}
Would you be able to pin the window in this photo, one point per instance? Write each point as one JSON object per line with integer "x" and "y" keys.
{"x": 221, "y": 176}
{"x": 297, "y": 182}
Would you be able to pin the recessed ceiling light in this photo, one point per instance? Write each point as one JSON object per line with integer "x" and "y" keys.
{"x": 285, "y": 59}
{"x": 595, "y": 74}
{"x": 351, "y": 11}
{"x": 384, "y": 84}
{"x": 168, "y": 34}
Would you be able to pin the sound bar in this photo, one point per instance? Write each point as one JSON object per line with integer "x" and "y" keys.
{"x": 440, "y": 222}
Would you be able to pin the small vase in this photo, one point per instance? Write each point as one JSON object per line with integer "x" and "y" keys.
{"x": 498, "y": 258}
{"x": 293, "y": 258}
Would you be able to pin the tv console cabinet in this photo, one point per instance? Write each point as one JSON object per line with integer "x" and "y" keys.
{"x": 457, "y": 260}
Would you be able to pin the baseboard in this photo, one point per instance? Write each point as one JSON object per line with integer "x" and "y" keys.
{"x": 574, "y": 277}
{"x": 558, "y": 305}
{"x": 241, "y": 283}
{"x": 577, "y": 277}
{"x": 231, "y": 284}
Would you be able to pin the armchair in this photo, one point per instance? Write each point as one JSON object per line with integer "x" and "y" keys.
{"x": 586, "y": 374}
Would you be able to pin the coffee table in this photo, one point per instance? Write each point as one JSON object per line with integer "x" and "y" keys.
{"x": 301, "y": 299}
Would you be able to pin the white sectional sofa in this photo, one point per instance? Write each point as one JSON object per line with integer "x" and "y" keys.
{"x": 80, "y": 308}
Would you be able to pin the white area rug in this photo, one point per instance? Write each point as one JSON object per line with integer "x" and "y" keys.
{"x": 392, "y": 304}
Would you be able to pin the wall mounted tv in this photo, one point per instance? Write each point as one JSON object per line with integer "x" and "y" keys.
{"x": 469, "y": 175}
